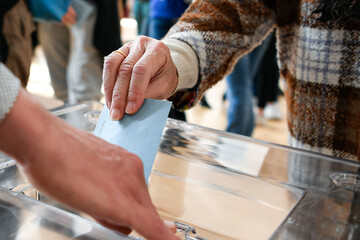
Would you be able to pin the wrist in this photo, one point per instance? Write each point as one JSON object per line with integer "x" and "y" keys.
{"x": 186, "y": 63}
{"x": 24, "y": 128}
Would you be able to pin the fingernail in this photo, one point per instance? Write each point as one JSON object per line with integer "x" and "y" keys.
{"x": 114, "y": 114}
{"x": 170, "y": 225}
{"x": 130, "y": 107}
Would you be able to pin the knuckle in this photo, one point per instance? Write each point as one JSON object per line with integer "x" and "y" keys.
{"x": 130, "y": 161}
{"x": 126, "y": 69}
{"x": 108, "y": 91}
{"x": 109, "y": 62}
{"x": 118, "y": 96}
{"x": 135, "y": 92}
{"x": 142, "y": 39}
{"x": 161, "y": 46}
{"x": 140, "y": 70}
{"x": 161, "y": 52}
{"x": 136, "y": 163}
{"x": 129, "y": 44}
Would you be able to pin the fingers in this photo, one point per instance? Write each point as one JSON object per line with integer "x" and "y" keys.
{"x": 127, "y": 80}
{"x": 124, "y": 90}
{"x": 170, "y": 225}
{"x": 116, "y": 89}
{"x": 111, "y": 73}
{"x": 133, "y": 207}
{"x": 158, "y": 234}
{"x": 128, "y": 96}
{"x": 122, "y": 229}
{"x": 149, "y": 68}
{"x": 119, "y": 94}
{"x": 138, "y": 85}
{"x": 152, "y": 227}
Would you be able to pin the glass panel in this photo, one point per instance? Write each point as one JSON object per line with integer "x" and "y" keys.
{"x": 24, "y": 218}
{"x": 232, "y": 187}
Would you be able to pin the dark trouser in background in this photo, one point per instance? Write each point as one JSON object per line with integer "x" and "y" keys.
{"x": 17, "y": 30}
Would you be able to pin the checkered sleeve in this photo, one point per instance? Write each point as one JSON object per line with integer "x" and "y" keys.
{"x": 9, "y": 90}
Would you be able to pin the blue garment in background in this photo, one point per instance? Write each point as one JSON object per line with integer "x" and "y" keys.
{"x": 239, "y": 93}
{"x": 167, "y": 9}
{"x": 163, "y": 15}
{"x": 158, "y": 27}
{"x": 141, "y": 11}
{"x": 45, "y": 10}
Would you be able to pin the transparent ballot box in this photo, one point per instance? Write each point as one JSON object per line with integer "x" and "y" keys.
{"x": 24, "y": 218}
{"x": 219, "y": 185}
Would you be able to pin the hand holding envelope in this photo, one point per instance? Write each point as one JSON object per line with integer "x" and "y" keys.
{"x": 139, "y": 133}
{"x": 80, "y": 170}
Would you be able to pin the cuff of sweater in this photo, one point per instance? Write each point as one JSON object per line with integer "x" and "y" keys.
{"x": 185, "y": 61}
{"x": 9, "y": 90}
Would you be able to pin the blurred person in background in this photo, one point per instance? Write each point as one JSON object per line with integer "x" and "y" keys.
{"x": 164, "y": 14}
{"x": 240, "y": 114}
{"x": 266, "y": 84}
{"x": 141, "y": 9}
{"x": 255, "y": 70}
{"x": 16, "y": 45}
{"x": 74, "y": 49}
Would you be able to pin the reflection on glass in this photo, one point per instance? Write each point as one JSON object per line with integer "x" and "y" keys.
{"x": 228, "y": 187}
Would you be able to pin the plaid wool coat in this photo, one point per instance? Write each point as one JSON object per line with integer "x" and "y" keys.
{"x": 318, "y": 44}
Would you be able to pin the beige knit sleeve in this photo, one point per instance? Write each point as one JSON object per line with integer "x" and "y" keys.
{"x": 185, "y": 61}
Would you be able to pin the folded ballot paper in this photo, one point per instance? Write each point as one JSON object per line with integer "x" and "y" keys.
{"x": 139, "y": 133}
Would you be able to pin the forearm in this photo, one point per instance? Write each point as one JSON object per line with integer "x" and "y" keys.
{"x": 24, "y": 128}
{"x": 71, "y": 165}
{"x": 53, "y": 154}
{"x": 234, "y": 29}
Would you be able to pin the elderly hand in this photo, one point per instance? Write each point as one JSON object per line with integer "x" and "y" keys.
{"x": 146, "y": 70}
{"x": 81, "y": 170}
